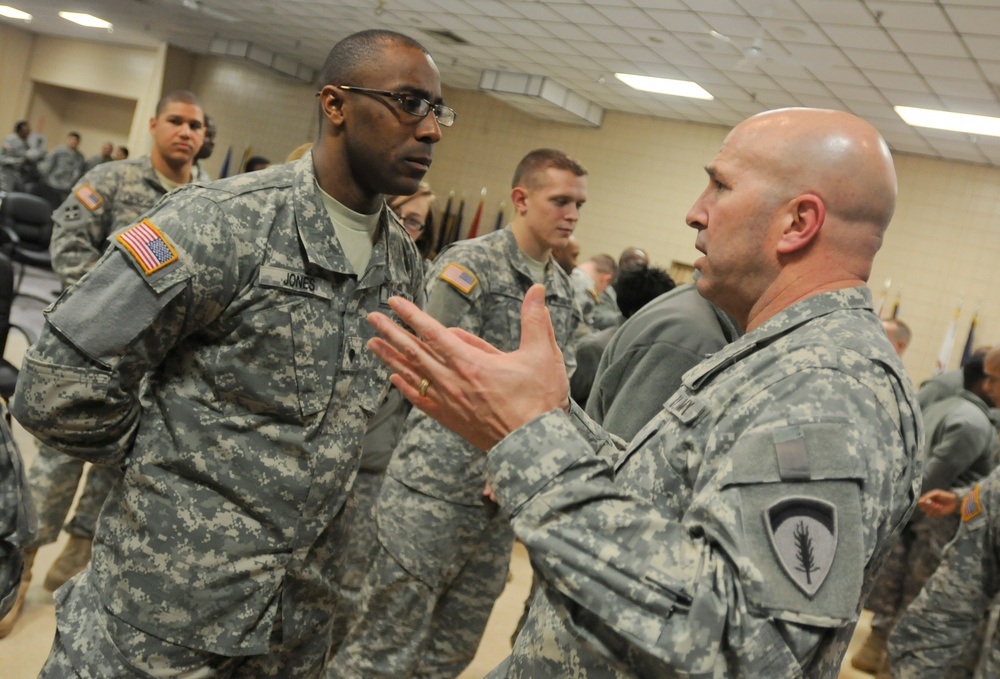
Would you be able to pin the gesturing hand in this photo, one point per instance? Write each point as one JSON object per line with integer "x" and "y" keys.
{"x": 472, "y": 388}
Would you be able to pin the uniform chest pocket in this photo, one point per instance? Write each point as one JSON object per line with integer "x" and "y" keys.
{"x": 502, "y": 321}
{"x": 281, "y": 359}
{"x": 798, "y": 492}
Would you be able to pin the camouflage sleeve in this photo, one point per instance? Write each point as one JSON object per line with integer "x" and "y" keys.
{"x": 960, "y": 445}
{"x": 80, "y": 225}
{"x": 453, "y": 305}
{"x": 942, "y": 629}
{"x": 17, "y": 515}
{"x": 78, "y": 389}
{"x": 684, "y": 580}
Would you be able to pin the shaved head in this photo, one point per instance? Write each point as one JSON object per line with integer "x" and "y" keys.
{"x": 833, "y": 154}
{"x": 797, "y": 202}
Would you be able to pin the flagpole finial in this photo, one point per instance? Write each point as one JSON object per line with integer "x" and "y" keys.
{"x": 483, "y": 192}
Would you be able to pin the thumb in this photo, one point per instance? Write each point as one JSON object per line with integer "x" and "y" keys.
{"x": 536, "y": 326}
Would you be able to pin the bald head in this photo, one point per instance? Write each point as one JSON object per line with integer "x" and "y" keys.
{"x": 797, "y": 204}
{"x": 836, "y": 155}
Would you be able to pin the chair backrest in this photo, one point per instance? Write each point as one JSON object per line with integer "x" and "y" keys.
{"x": 7, "y": 293}
{"x": 30, "y": 217}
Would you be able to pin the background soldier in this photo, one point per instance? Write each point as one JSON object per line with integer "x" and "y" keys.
{"x": 63, "y": 167}
{"x": 443, "y": 558}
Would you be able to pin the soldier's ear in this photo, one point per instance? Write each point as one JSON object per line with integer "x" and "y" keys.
{"x": 331, "y": 102}
{"x": 805, "y": 217}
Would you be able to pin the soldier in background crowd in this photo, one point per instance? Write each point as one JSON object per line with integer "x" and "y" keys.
{"x": 607, "y": 314}
{"x": 737, "y": 533}
{"x": 107, "y": 198}
{"x": 107, "y": 148}
{"x": 61, "y": 169}
{"x": 961, "y": 446}
{"x": 899, "y": 334}
{"x": 442, "y": 558}
{"x": 643, "y": 364}
{"x": 951, "y": 631}
{"x": 20, "y": 154}
{"x": 591, "y": 279}
{"x": 635, "y": 288}
{"x": 121, "y": 153}
{"x": 231, "y": 376}
{"x": 567, "y": 255}
{"x": 205, "y": 152}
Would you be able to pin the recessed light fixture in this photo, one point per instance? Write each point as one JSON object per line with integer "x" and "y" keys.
{"x": 677, "y": 88}
{"x": 945, "y": 120}
{"x": 14, "y": 13}
{"x": 87, "y": 20}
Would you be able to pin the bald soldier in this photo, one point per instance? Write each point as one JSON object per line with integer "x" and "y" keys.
{"x": 736, "y": 534}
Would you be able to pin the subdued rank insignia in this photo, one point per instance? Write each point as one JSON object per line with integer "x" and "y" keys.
{"x": 803, "y": 533}
{"x": 90, "y": 198}
{"x": 148, "y": 246}
{"x": 461, "y": 278}
{"x": 970, "y": 504}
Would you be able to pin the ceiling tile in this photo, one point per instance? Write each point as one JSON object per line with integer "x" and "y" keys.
{"x": 846, "y": 12}
{"x": 910, "y": 16}
{"x": 978, "y": 21}
{"x": 922, "y": 42}
{"x": 945, "y": 67}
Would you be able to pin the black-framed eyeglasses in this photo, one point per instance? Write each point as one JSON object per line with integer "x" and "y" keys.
{"x": 412, "y": 104}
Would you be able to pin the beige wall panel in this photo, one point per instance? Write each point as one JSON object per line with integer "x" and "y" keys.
{"x": 16, "y": 48}
{"x": 97, "y": 117}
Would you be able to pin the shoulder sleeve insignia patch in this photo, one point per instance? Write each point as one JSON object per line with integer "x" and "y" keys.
{"x": 149, "y": 247}
{"x": 970, "y": 504}
{"x": 90, "y": 198}
{"x": 459, "y": 277}
{"x": 803, "y": 533}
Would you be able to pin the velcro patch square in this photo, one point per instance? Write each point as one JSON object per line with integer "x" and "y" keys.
{"x": 90, "y": 198}
{"x": 970, "y": 505}
{"x": 148, "y": 246}
{"x": 459, "y": 277}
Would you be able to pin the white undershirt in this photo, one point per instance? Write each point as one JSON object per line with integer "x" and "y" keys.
{"x": 355, "y": 231}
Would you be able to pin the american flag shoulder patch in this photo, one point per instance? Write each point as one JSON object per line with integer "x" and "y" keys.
{"x": 149, "y": 247}
{"x": 461, "y": 278}
{"x": 970, "y": 505}
{"x": 90, "y": 198}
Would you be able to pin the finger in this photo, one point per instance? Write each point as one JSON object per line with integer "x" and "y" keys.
{"x": 409, "y": 352}
{"x": 536, "y": 325}
{"x": 427, "y": 328}
{"x": 474, "y": 341}
{"x": 395, "y": 360}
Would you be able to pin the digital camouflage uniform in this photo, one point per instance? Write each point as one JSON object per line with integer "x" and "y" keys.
{"x": 586, "y": 297}
{"x": 443, "y": 556}
{"x": 959, "y": 451}
{"x": 17, "y": 515}
{"x": 950, "y": 629}
{"x": 736, "y": 534}
{"x": 239, "y": 447}
{"x": 108, "y": 198}
{"x": 62, "y": 168}
{"x": 19, "y": 159}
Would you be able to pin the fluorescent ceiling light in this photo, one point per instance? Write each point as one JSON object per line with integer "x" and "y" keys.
{"x": 85, "y": 20}
{"x": 12, "y": 13}
{"x": 954, "y": 122}
{"x": 677, "y": 88}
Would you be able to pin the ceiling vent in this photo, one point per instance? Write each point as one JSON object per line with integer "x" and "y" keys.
{"x": 241, "y": 49}
{"x": 541, "y": 97}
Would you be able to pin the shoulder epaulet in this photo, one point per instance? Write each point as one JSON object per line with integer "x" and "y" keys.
{"x": 461, "y": 278}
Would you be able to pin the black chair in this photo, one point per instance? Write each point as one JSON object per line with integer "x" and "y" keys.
{"x": 53, "y": 197}
{"x": 25, "y": 231}
{"x": 8, "y": 373}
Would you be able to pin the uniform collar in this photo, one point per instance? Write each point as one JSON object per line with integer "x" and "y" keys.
{"x": 320, "y": 242}
{"x": 780, "y": 324}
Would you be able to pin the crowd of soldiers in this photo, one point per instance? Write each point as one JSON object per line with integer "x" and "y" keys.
{"x": 313, "y": 450}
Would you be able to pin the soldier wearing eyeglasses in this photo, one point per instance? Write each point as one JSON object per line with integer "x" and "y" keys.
{"x": 239, "y": 308}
